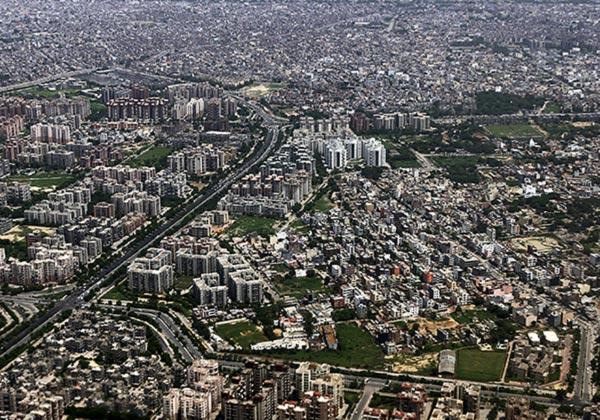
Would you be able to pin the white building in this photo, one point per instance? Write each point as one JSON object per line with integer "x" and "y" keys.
{"x": 373, "y": 152}
{"x": 336, "y": 155}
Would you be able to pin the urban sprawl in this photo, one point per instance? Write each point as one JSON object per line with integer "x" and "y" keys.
{"x": 307, "y": 210}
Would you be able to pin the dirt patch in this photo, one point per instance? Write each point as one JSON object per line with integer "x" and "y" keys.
{"x": 428, "y": 326}
{"x": 582, "y": 123}
{"x": 197, "y": 184}
{"x": 544, "y": 244}
{"x": 257, "y": 91}
{"x": 19, "y": 232}
{"x": 413, "y": 364}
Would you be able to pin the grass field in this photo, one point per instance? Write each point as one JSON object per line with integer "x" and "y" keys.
{"x": 447, "y": 161}
{"x": 513, "y": 131}
{"x": 468, "y": 316}
{"x": 299, "y": 226}
{"x": 154, "y": 156}
{"x": 262, "y": 226}
{"x": 119, "y": 292}
{"x": 45, "y": 93}
{"x": 182, "y": 282}
{"x": 399, "y": 156}
{"x": 396, "y": 164}
{"x": 323, "y": 204}
{"x": 383, "y": 402}
{"x": 351, "y": 397}
{"x": 297, "y": 286}
{"x": 476, "y": 365}
{"x": 356, "y": 349}
{"x": 242, "y": 333}
{"x": 552, "y": 108}
{"x": 46, "y": 180}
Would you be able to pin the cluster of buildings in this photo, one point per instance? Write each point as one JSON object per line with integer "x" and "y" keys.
{"x": 338, "y": 145}
{"x": 86, "y": 225}
{"x": 37, "y": 109}
{"x": 390, "y": 122}
{"x": 51, "y": 260}
{"x": 202, "y": 396}
{"x": 14, "y": 193}
{"x": 11, "y": 126}
{"x": 457, "y": 401}
{"x": 194, "y": 101}
{"x": 411, "y": 405}
{"x": 199, "y": 160}
{"x": 111, "y": 230}
{"x": 138, "y": 189}
{"x": 50, "y": 133}
{"x": 143, "y": 109}
{"x": 261, "y": 391}
{"x": 536, "y": 361}
{"x": 55, "y": 140}
{"x": 152, "y": 273}
{"x": 284, "y": 180}
{"x": 58, "y": 142}
{"x": 219, "y": 277}
{"x": 338, "y": 152}
{"x": 60, "y": 207}
{"x": 92, "y": 360}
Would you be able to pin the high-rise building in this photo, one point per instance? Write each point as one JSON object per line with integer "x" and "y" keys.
{"x": 335, "y": 154}
{"x": 152, "y": 273}
{"x": 139, "y": 92}
{"x": 373, "y": 152}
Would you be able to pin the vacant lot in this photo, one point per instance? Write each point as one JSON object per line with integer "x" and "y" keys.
{"x": 18, "y": 233}
{"x": 241, "y": 333}
{"x": 543, "y": 244}
{"x": 404, "y": 363}
{"x": 356, "y": 349}
{"x": 514, "y": 131}
{"x": 257, "y": 91}
{"x": 476, "y": 365}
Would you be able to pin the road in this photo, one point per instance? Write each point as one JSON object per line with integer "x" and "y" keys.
{"x": 163, "y": 341}
{"x": 372, "y": 385}
{"x": 24, "y": 85}
{"x": 171, "y": 330}
{"x": 507, "y": 117}
{"x": 488, "y": 390}
{"x": 76, "y": 298}
{"x": 352, "y": 374}
{"x": 582, "y": 390}
{"x": 423, "y": 160}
